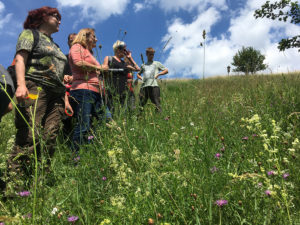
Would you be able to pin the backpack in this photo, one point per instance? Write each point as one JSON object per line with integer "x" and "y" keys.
{"x": 12, "y": 69}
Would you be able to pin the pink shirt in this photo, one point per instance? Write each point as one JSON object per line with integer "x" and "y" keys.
{"x": 83, "y": 79}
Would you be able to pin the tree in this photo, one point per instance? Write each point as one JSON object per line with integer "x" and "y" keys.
{"x": 248, "y": 60}
{"x": 283, "y": 10}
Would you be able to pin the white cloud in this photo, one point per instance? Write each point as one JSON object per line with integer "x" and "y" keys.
{"x": 96, "y": 10}
{"x": 4, "y": 19}
{"x": 188, "y": 5}
{"x": 138, "y": 7}
{"x": 186, "y": 56}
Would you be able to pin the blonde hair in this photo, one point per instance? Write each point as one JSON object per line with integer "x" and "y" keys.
{"x": 117, "y": 44}
{"x": 82, "y": 36}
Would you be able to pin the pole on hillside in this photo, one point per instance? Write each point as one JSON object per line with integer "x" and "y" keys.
{"x": 204, "y": 37}
{"x": 228, "y": 70}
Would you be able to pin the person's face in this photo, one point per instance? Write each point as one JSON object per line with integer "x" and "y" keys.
{"x": 92, "y": 40}
{"x": 53, "y": 21}
{"x": 150, "y": 56}
{"x": 121, "y": 51}
{"x": 71, "y": 39}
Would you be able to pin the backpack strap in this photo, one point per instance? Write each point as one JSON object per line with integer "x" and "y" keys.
{"x": 36, "y": 38}
{"x": 110, "y": 60}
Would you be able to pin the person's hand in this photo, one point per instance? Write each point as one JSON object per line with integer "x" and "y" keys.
{"x": 68, "y": 79}
{"x": 127, "y": 53}
{"x": 68, "y": 109}
{"x": 156, "y": 76}
{"x": 21, "y": 93}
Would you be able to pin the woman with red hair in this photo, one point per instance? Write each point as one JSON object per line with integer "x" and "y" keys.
{"x": 39, "y": 62}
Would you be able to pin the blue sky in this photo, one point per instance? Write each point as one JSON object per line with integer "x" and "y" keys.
{"x": 229, "y": 25}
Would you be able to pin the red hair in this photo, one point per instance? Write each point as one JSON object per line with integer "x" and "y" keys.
{"x": 35, "y": 17}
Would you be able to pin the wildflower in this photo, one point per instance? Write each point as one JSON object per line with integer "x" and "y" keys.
{"x": 27, "y": 216}
{"x": 76, "y": 159}
{"x": 218, "y": 155}
{"x": 259, "y": 185}
{"x": 167, "y": 118}
{"x": 105, "y": 221}
{"x": 54, "y": 210}
{"x": 73, "y": 219}
{"x": 214, "y": 169}
{"x": 268, "y": 192}
{"x": 104, "y": 178}
{"x": 24, "y": 193}
{"x": 1, "y": 223}
{"x": 254, "y": 135}
{"x": 150, "y": 221}
{"x": 285, "y": 175}
{"x": 271, "y": 173}
{"x": 192, "y": 124}
{"x": 221, "y": 202}
{"x": 182, "y": 128}
{"x": 245, "y": 138}
{"x": 222, "y": 149}
{"x": 90, "y": 137}
{"x": 132, "y": 129}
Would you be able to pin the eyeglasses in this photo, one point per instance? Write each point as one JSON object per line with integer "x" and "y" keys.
{"x": 121, "y": 47}
{"x": 55, "y": 16}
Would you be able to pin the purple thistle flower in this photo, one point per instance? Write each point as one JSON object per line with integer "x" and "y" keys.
{"x": 1, "y": 223}
{"x": 214, "y": 169}
{"x": 268, "y": 192}
{"x": 76, "y": 159}
{"x": 104, "y": 178}
{"x": 254, "y": 135}
{"x": 24, "y": 193}
{"x": 90, "y": 137}
{"x": 221, "y": 202}
{"x": 218, "y": 155}
{"x": 73, "y": 218}
{"x": 167, "y": 118}
{"x": 285, "y": 175}
{"x": 245, "y": 138}
{"x": 271, "y": 173}
{"x": 27, "y": 216}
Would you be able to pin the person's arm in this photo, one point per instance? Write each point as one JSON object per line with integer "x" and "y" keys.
{"x": 68, "y": 107}
{"x": 139, "y": 76}
{"x": 133, "y": 66}
{"x": 21, "y": 60}
{"x": 77, "y": 53}
{"x": 161, "y": 73}
{"x": 90, "y": 67}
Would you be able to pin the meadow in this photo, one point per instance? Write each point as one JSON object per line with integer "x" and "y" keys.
{"x": 223, "y": 151}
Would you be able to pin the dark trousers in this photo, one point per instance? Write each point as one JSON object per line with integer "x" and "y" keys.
{"x": 153, "y": 93}
{"x": 89, "y": 105}
{"x": 49, "y": 113}
{"x": 4, "y": 99}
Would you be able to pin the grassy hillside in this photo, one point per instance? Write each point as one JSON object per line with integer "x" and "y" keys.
{"x": 234, "y": 139}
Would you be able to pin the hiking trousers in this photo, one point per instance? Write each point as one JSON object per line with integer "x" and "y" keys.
{"x": 47, "y": 122}
{"x": 153, "y": 93}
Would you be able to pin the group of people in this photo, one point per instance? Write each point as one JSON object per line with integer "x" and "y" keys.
{"x": 75, "y": 84}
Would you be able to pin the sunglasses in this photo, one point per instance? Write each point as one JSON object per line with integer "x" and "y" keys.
{"x": 55, "y": 16}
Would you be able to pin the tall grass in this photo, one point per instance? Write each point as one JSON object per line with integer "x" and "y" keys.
{"x": 232, "y": 138}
